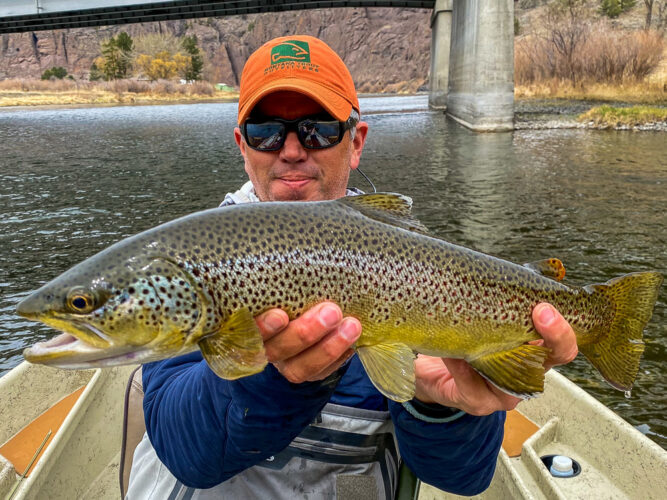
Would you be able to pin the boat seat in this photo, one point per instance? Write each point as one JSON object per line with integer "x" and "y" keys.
{"x": 133, "y": 427}
{"x": 518, "y": 429}
{"x": 23, "y": 450}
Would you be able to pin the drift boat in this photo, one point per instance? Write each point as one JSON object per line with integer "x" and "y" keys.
{"x": 62, "y": 433}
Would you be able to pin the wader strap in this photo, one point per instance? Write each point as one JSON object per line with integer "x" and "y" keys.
{"x": 133, "y": 427}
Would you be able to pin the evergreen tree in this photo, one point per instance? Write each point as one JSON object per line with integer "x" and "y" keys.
{"x": 614, "y": 8}
{"x": 95, "y": 73}
{"x": 116, "y": 56}
{"x": 194, "y": 68}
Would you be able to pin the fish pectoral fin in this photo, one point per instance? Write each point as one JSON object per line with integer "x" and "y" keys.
{"x": 391, "y": 368}
{"x": 551, "y": 268}
{"x": 519, "y": 371}
{"x": 390, "y": 208}
{"x": 237, "y": 349}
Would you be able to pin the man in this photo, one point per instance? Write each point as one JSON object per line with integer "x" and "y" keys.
{"x": 311, "y": 424}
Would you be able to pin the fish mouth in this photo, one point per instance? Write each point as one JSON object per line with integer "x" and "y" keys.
{"x": 69, "y": 350}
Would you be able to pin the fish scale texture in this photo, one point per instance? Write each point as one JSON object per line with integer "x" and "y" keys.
{"x": 291, "y": 256}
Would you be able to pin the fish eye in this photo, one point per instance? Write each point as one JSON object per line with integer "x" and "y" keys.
{"x": 80, "y": 301}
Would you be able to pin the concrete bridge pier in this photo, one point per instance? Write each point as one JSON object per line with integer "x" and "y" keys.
{"x": 441, "y": 30}
{"x": 480, "y": 83}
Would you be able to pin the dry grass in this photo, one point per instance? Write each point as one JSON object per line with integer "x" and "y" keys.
{"x": 28, "y": 85}
{"x": 648, "y": 92}
{"x": 24, "y": 92}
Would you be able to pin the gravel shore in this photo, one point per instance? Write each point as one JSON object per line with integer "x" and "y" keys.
{"x": 537, "y": 114}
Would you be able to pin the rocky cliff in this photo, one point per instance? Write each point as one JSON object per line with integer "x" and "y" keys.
{"x": 386, "y": 49}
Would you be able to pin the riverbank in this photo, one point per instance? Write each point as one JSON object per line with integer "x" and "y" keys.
{"x": 634, "y": 107}
{"x": 544, "y": 114}
{"x": 625, "y": 106}
{"x": 101, "y": 97}
{"x": 28, "y": 92}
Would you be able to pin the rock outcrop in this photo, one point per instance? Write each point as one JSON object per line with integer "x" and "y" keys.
{"x": 386, "y": 49}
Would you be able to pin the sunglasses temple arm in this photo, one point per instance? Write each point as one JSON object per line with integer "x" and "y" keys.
{"x": 367, "y": 179}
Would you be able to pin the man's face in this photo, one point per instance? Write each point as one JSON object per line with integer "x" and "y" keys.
{"x": 294, "y": 172}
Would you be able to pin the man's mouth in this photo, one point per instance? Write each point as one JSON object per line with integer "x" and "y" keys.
{"x": 295, "y": 183}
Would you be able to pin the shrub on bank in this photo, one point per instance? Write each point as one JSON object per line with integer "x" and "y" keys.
{"x": 34, "y": 85}
{"x": 123, "y": 86}
{"x": 201, "y": 88}
{"x": 581, "y": 53}
{"x": 55, "y": 72}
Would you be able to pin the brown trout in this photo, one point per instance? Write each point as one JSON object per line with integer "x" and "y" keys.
{"x": 199, "y": 281}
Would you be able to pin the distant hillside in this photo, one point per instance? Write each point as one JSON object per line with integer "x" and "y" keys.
{"x": 386, "y": 49}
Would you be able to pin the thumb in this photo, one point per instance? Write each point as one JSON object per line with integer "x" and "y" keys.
{"x": 557, "y": 334}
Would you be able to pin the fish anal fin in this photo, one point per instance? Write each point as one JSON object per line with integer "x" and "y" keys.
{"x": 518, "y": 371}
{"x": 390, "y": 208}
{"x": 391, "y": 368}
{"x": 551, "y": 268}
{"x": 237, "y": 349}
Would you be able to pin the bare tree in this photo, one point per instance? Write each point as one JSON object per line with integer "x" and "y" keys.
{"x": 662, "y": 14}
{"x": 649, "y": 13}
{"x": 567, "y": 29}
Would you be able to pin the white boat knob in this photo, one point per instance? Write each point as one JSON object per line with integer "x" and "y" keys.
{"x": 561, "y": 466}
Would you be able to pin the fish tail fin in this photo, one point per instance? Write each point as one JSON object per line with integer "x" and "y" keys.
{"x": 617, "y": 351}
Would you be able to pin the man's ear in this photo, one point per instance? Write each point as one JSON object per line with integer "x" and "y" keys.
{"x": 358, "y": 144}
{"x": 240, "y": 142}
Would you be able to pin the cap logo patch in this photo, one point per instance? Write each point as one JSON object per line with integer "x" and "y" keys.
{"x": 290, "y": 50}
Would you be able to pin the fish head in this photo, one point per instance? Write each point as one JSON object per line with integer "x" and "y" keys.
{"x": 137, "y": 310}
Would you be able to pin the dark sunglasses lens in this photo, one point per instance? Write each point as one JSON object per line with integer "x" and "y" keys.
{"x": 267, "y": 136}
{"x": 319, "y": 134}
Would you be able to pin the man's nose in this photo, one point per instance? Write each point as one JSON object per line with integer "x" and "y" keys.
{"x": 292, "y": 150}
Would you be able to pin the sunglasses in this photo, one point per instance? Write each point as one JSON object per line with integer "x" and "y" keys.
{"x": 269, "y": 134}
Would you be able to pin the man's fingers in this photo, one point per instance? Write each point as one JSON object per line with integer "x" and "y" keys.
{"x": 471, "y": 394}
{"x": 271, "y": 322}
{"x": 476, "y": 396}
{"x": 557, "y": 333}
{"x": 303, "y": 332}
{"x": 465, "y": 376}
{"x": 333, "y": 366}
{"x": 323, "y": 358}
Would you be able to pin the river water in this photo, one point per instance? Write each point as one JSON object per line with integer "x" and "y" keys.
{"x": 73, "y": 181}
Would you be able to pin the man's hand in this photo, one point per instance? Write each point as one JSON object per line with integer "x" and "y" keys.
{"x": 454, "y": 383}
{"x": 312, "y": 346}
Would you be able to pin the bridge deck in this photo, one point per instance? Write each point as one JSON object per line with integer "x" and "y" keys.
{"x": 54, "y": 14}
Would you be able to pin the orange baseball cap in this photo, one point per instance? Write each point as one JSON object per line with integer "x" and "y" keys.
{"x": 301, "y": 64}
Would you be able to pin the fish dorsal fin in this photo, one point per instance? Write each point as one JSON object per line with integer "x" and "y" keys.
{"x": 551, "y": 268}
{"x": 391, "y": 368}
{"x": 519, "y": 371}
{"x": 390, "y": 208}
{"x": 237, "y": 349}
